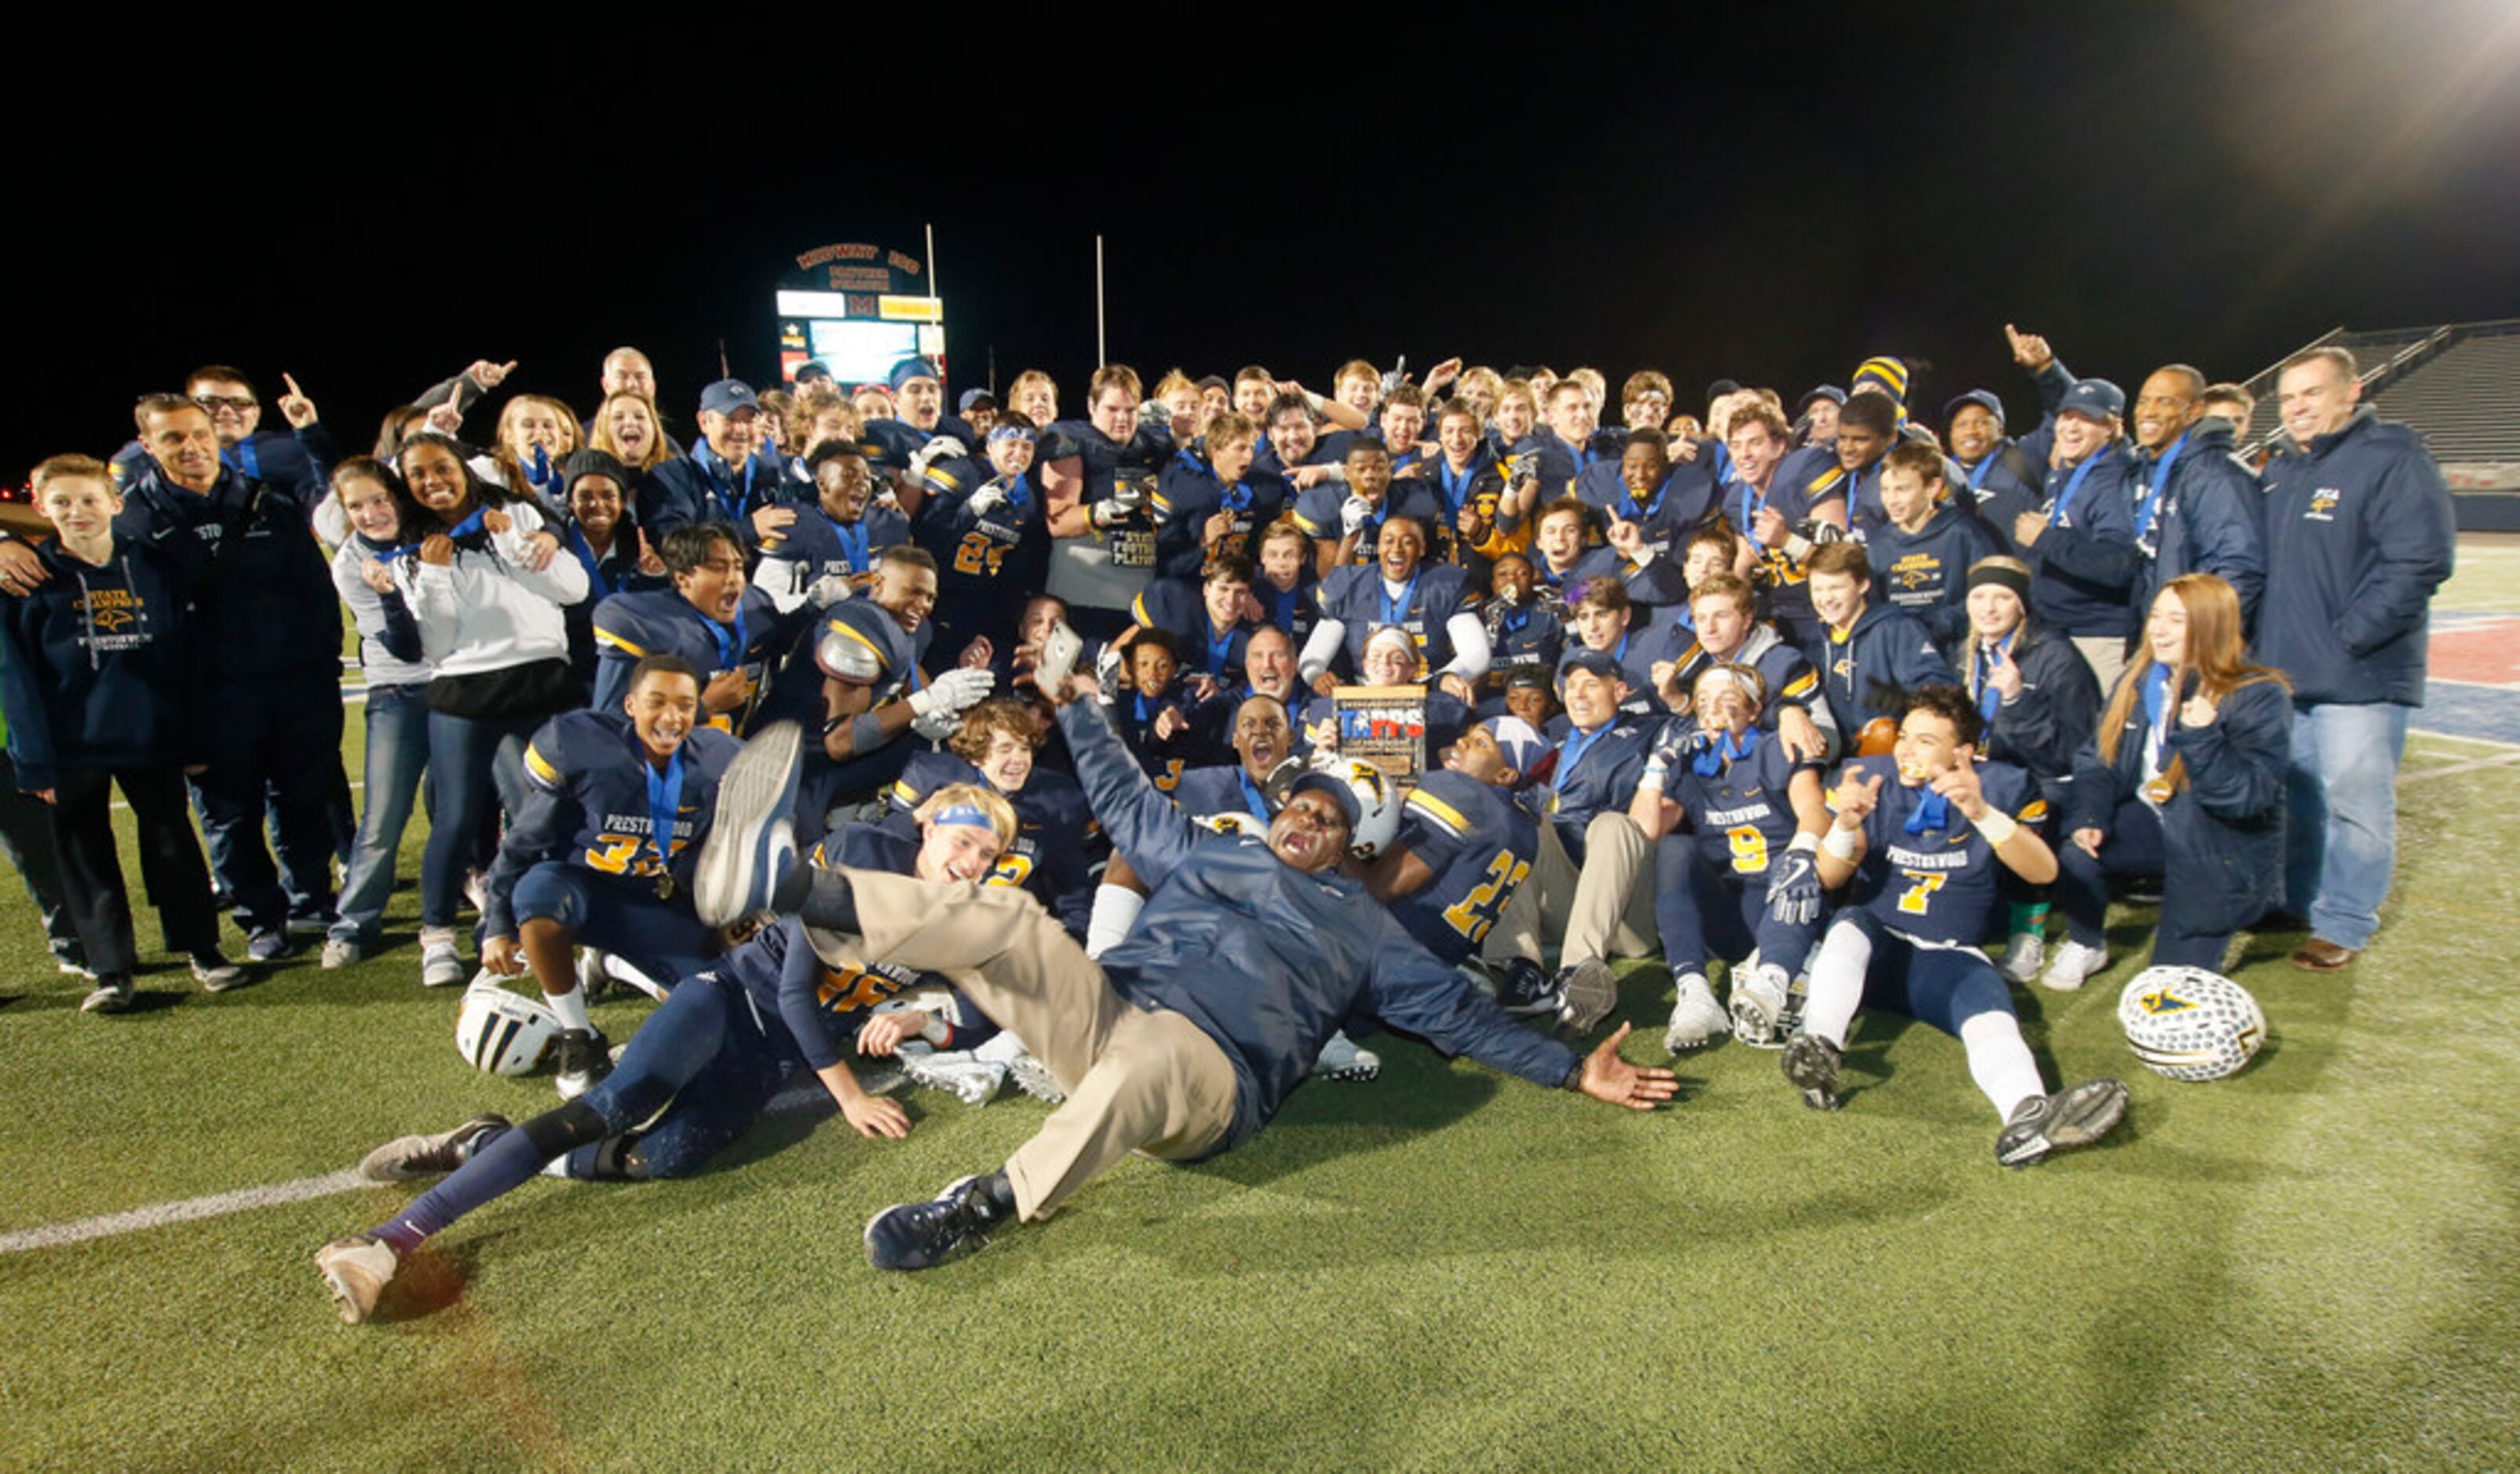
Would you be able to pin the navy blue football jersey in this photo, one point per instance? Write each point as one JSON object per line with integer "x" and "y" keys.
{"x": 1479, "y": 843}
{"x": 588, "y": 802}
{"x": 1179, "y": 608}
{"x": 1057, "y": 846}
{"x": 1188, "y": 493}
{"x": 1939, "y": 886}
{"x": 630, "y": 627}
{"x": 818, "y": 544}
{"x": 1318, "y": 513}
{"x": 1743, "y": 814}
{"x": 1359, "y": 598}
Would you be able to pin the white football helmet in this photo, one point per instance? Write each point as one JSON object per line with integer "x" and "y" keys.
{"x": 500, "y": 1032}
{"x": 1378, "y": 804}
{"x": 2191, "y": 1024}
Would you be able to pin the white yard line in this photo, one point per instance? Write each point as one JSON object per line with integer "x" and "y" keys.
{"x": 799, "y": 1097}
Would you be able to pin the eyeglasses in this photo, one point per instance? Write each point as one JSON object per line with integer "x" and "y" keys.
{"x": 217, "y": 402}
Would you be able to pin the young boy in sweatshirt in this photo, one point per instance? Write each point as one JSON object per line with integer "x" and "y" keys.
{"x": 97, "y": 680}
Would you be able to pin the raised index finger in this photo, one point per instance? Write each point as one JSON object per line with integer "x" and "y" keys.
{"x": 294, "y": 391}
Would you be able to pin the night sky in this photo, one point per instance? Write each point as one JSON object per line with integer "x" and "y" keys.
{"x": 1771, "y": 197}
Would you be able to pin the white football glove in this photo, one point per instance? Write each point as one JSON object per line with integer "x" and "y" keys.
{"x": 1353, "y": 513}
{"x": 956, "y": 691}
{"x": 987, "y": 499}
{"x": 829, "y": 590}
{"x": 1106, "y": 674}
{"x": 938, "y": 448}
{"x": 937, "y": 726}
{"x": 1155, "y": 414}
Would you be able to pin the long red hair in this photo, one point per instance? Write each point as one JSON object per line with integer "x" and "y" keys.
{"x": 2216, "y": 652}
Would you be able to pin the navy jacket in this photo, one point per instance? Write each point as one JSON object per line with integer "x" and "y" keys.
{"x": 298, "y": 461}
{"x": 1267, "y": 962}
{"x": 1867, "y": 673}
{"x": 267, "y": 611}
{"x": 698, "y": 488}
{"x": 2359, "y": 531}
{"x": 1684, "y": 503}
{"x": 2084, "y": 566}
{"x": 2223, "y": 833}
{"x": 2204, "y": 520}
{"x": 2039, "y": 729}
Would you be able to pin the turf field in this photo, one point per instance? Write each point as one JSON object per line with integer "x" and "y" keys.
{"x": 2313, "y": 1265}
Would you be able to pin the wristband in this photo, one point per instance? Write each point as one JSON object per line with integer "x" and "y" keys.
{"x": 1841, "y": 843}
{"x": 1998, "y": 826}
{"x": 1805, "y": 841}
{"x": 866, "y": 734}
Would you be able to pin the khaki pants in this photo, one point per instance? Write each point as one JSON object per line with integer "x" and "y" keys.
{"x": 2107, "y": 654}
{"x": 1604, "y": 909}
{"x": 1137, "y": 1079}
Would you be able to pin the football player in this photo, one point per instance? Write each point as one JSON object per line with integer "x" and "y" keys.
{"x": 991, "y": 541}
{"x": 711, "y": 1061}
{"x": 598, "y": 854}
{"x": 1209, "y": 502}
{"x": 1920, "y": 833}
{"x": 839, "y": 532}
{"x": 1400, "y": 589}
{"x": 713, "y": 619}
{"x": 1736, "y": 816}
{"x": 1208, "y": 620}
{"x": 1869, "y": 656}
{"x": 1346, "y": 521}
{"x": 1055, "y": 848}
{"x": 1465, "y": 844}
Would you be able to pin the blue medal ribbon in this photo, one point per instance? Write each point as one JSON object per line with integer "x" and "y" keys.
{"x": 664, "y": 800}
{"x": 1252, "y": 798}
{"x": 1727, "y": 748}
{"x": 2146, "y": 508}
{"x": 1932, "y": 814}
{"x": 2057, "y": 508}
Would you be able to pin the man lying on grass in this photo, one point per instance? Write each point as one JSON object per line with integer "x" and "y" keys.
{"x": 1185, "y": 1039}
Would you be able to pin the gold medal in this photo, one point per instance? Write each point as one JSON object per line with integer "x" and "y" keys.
{"x": 664, "y": 886}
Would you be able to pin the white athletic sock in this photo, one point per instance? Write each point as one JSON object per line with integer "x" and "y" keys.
{"x": 1836, "y": 983}
{"x": 2000, "y": 1062}
{"x": 570, "y": 1007}
{"x": 1115, "y": 910}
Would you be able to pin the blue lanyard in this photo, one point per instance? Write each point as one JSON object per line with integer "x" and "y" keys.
{"x": 729, "y": 498}
{"x": 1396, "y": 611}
{"x": 456, "y": 533}
{"x": 1571, "y": 751}
{"x": 1456, "y": 488}
{"x": 1727, "y": 748}
{"x": 2156, "y": 711}
{"x": 665, "y": 799}
{"x": 1252, "y": 798}
{"x": 1638, "y": 514}
{"x": 853, "y": 540}
{"x": 1978, "y": 473}
{"x": 1933, "y": 811}
{"x": 1219, "y": 648}
{"x": 2143, "y": 512}
{"x": 594, "y": 565}
{"x": 1284, "y": 605}
{"x": 1750, "y": 511}
{"x": 243, "y": 457}
{"x": 1018, "y": 492}
{"x": 2066, "y": 499}
{"x": 731, "y": 643}
{"x": 1988, "y": 697}
{"x": 1237, "y": 497}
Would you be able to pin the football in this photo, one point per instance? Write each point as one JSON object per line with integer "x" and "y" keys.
{"x": 2191, "y": 1024}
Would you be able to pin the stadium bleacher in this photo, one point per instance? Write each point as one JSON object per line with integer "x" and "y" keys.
{"x": 2457, "y": 382}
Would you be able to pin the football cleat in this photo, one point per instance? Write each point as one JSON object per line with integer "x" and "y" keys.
{"x": 1523, "y": 988}
{"x": 752, "y": 844}
{"x": 357, "y": 1269}
{"x": 1759, "y": 1000}
{"x": 2044, "y": 1125}
{"x": 1341, "y": 1059}
{"x": 407, "y": 1158}
{"x": 215, "y": 973}
{"x": 1033, "y": 1078}
{"x": 2025, "y": 956}
{"x": 1586, "y": 994}
{"x": 922, "y": 1235}
{"x": 111, "y": 994}
{"x": 1696, "y": 1016}
{"x": 1810, "y": 1064}
{"x": 585, "y": 1058}
{"x": 972, "y": 1080}
{"x": 2072, "y": 966}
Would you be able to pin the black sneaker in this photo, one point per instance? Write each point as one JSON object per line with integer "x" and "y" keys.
{"x": 1586, "y": 994}
{"x": 2061, "y": 1122}
{"x": 585, "y": 1058}
{"x": 1810, "y": 1064}
{"x": 922, "y": 1235}
{"x": 1524, "y": 989}
{"x": 408, "y": 1157}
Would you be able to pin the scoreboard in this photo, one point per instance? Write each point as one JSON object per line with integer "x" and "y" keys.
{"x": 858, "y": 310}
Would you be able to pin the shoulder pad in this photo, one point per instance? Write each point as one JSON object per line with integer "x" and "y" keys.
{"x": 849, "y": 653}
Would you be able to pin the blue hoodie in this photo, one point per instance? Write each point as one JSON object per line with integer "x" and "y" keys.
{"x": 2359, "y": 531}
{"x": 97, "y": 666}
{"x": 265, "y": 611}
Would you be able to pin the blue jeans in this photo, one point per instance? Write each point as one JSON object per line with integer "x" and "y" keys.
{"x": 397, "y": 751}
{"x": 474, "y": 766}
{"x": 2341, "y": 838}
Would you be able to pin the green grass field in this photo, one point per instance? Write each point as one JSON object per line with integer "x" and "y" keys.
{"x": 2310, "y": 1265}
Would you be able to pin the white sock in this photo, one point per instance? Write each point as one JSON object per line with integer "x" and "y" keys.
{"x": 570, "y": 1007}
{"x": 2000, "y": 1062}
{"x": 436, "y": 936}
{"x": 1836, "y": 983}
{"x": 1115, "y": 910}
